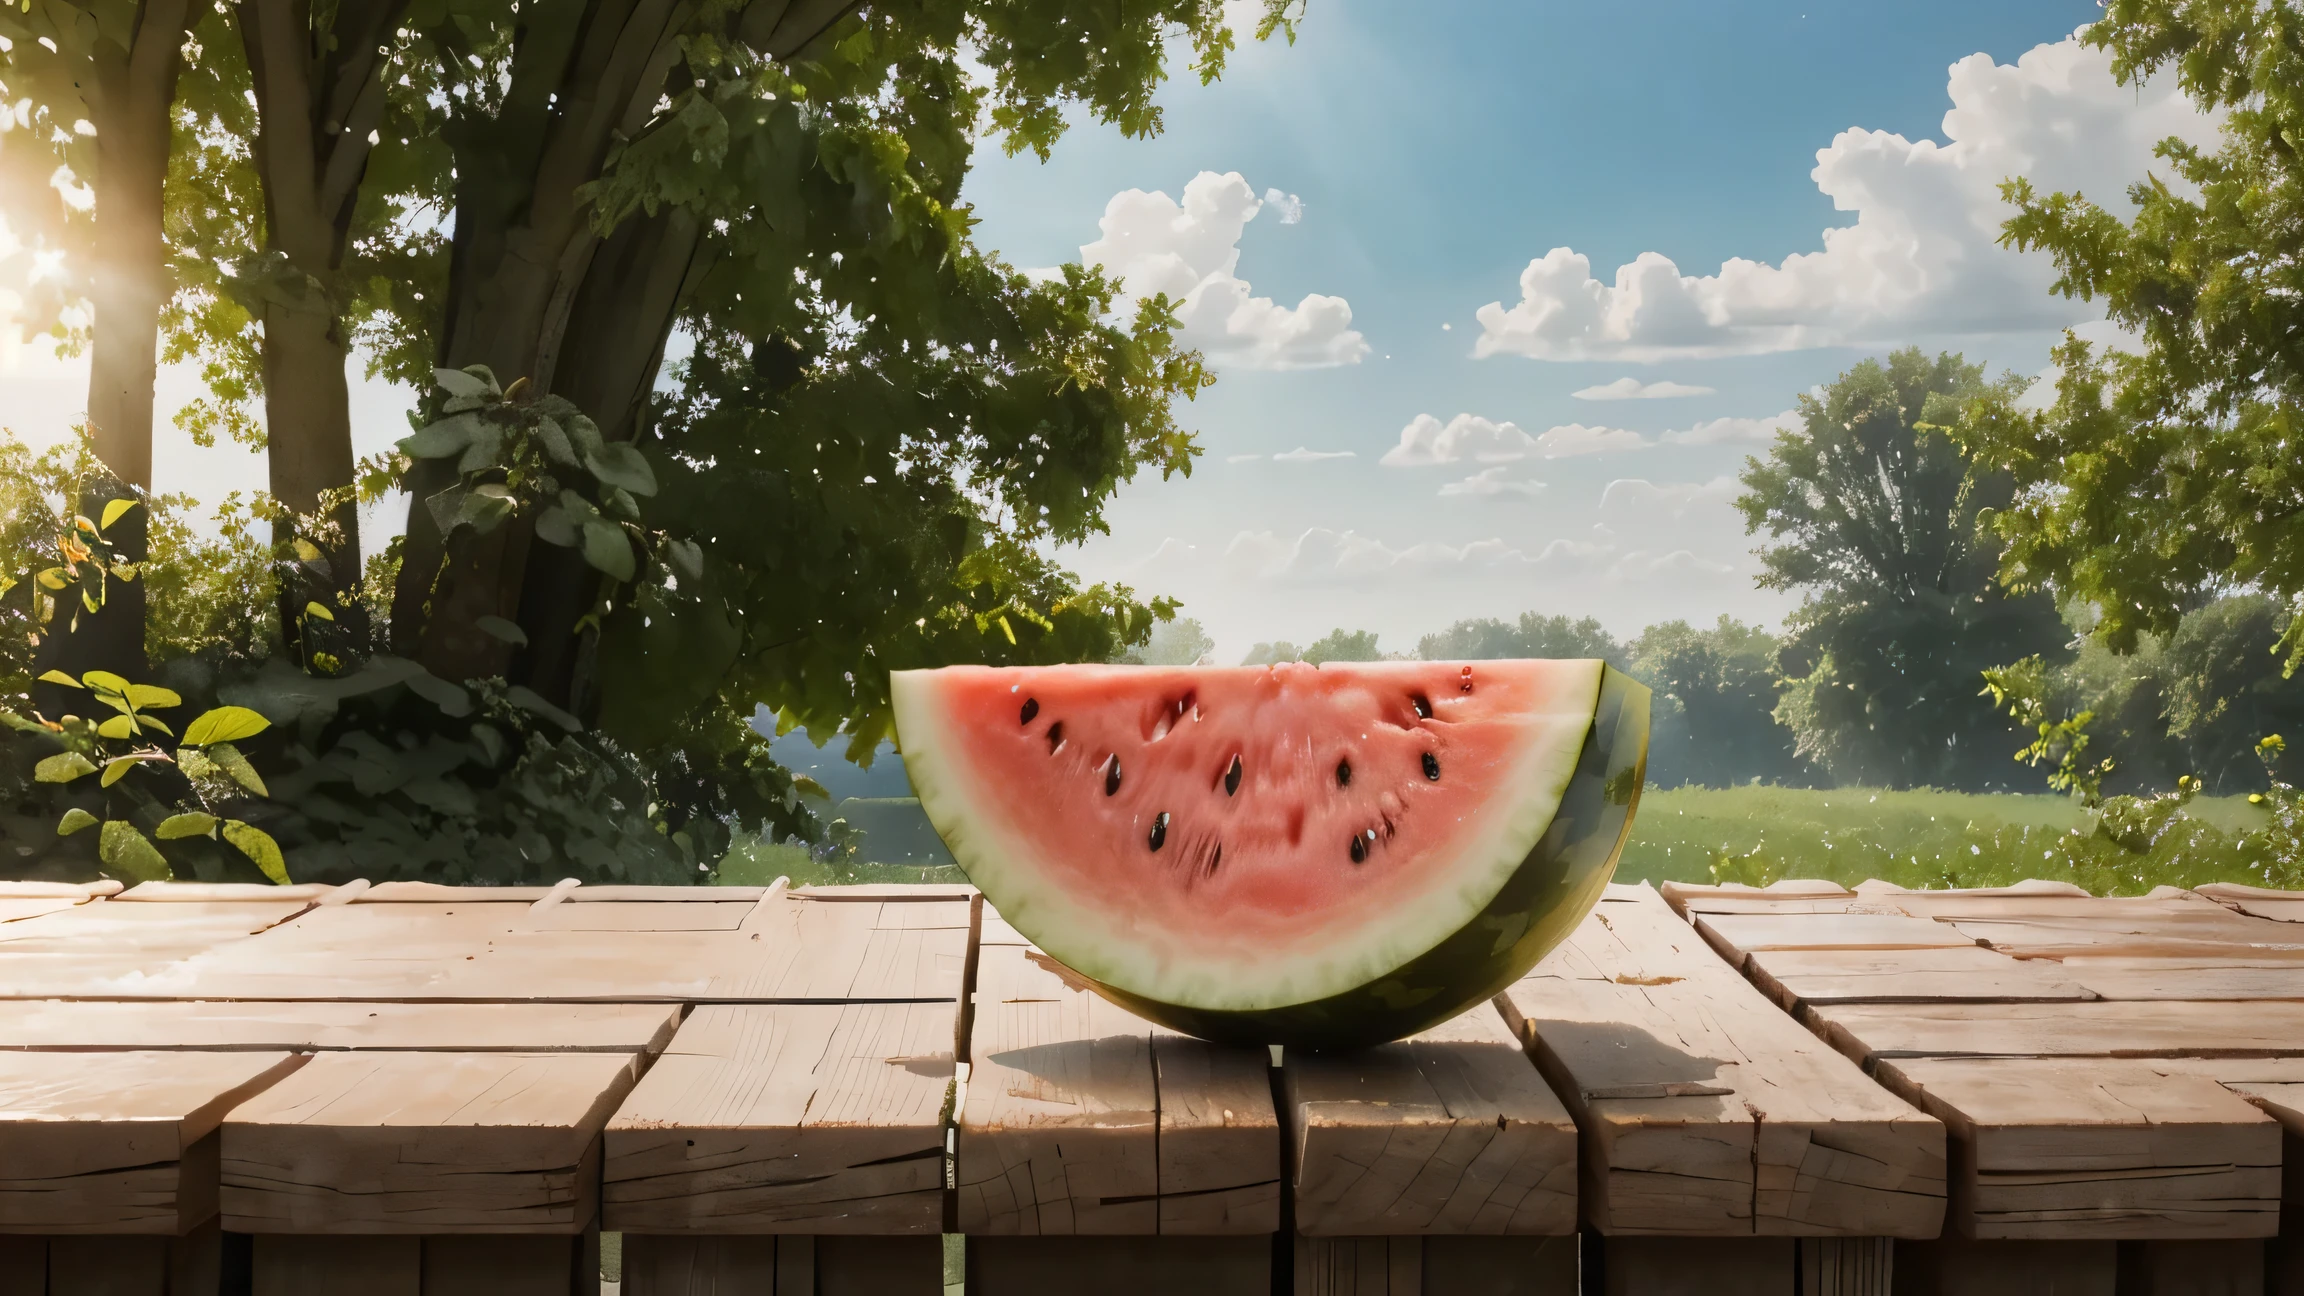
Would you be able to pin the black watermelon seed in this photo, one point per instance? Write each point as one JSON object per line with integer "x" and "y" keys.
{"x": 1159, "y": 836}
{"x": 1031, "y": 709}
{"x": 1431, "y": 767}
{"x": 1055, "y": 737}
{"x": 1343, "y": 773}
{"x": 1423, "y": 706}
{"x": 1112, "y": 776}
{"x": 1232, "y": 778}
{"x": 1359, "y": 848}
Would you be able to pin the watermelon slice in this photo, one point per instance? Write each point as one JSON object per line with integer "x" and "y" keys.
{"x": 1311, "y": 855}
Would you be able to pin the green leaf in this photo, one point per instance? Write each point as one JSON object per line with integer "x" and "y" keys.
{"x": 585, "y": 434}
{"x": 118, "y": 726}
{"x": 258, "y": 845}
{"x": 686, "y": 558}
{"x": 54, "y": 578}
{"x": 228, "y": 758}
{"x": 486, "y": 444}
{"x": 498, "y": 628}
{"x": 192, "y": 823}
{"x": 225, "y": 724}
{"x": 125, "y": 850}
{"x": 452, "y": 700}
{"x": 146, "y": 696}
{"x": 63, "y": 767}
{"x": 115, "y": 770}
{"x": 114, "y": 511}
{"x": 462, "y": 382}
{"x": 622, "y": 464}
{"x": 555, "y": 526}
{"x": 529, "y": 700}
{"x": 73, "y": 821}
{"x": 439, "y": 440}
{"x": 556, "y": 444}
{"x": 319, "y": 610}
{"x": 106, "y": 682}
{"x": 485, "y": 508}
{"x": 809, "y": 787}
{"x": 607, "y": 548}
{"x": 59, "y": 677}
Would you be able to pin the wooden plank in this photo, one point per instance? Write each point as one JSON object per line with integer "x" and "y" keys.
{"x": 2201, "y": 930}
{"x": 1735, "y": 935}
{"x": 1219, "y": 1138}
{"x": 338, "y": 1264}
{"x": 784, "y": 948}
{"x": 702, "y": 1264}
{"x": 1847, "y": 1266}
{"x": 118, "y": 1142}
{"x": 2200, "y": 979}
{"x": 1059, "y": 1129}
{"x": 1119, "y": 1266}
{"x": 2259, "y": 902}
{"x": 787, "y": 1118}
{"x": 2096, "y": 1149}
{"x": 2142, "y": 1028}
{"x": 1448, "y": 1132}
{"x": 23, "y": 1265}
{"x": 1968, "y": 973}
{"x": 1702, "y": 1109}
{"x": 223, "y": 1026}
{"x": 15, "y": 910}
{"x": 302, "y": 893}
{"x": 868, "y": 1266}
{"x": 2192, "y": 1268}
{"x": 424, "y": 1143}
{"x": 21, "y": 890}
{"x": 117, "y": 950}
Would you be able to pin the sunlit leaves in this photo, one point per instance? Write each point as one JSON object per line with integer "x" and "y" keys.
{"x": 225, "y": 724}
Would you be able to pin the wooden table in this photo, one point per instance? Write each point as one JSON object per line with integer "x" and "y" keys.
{"x": 412, "y": 1090}
{"x": 2112, "y": 1072}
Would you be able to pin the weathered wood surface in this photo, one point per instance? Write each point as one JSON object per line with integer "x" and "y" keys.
{"x": 1705, "y": 1110}
{"x": 115, "y": 949}
{"x": 118, "y": 1142}
{"x": 2142, "y": 1107}
{"x": 212, "y": 1026}
{"x": 424, "y": 1143}
{"x": 1071, "y": 1099}
{"x": 2052, "y": 1149}
{"x": 1447, "y": 1132}
{"x": 787, "y": 1118}
{"x": 1437, "y": 1266}
{"x": 783, "y": 947}
{"x": 2260, "y": 902}
{"x": 1135, "y": 1265}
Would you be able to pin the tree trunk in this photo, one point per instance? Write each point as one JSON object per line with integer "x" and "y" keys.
{"x": 319, "y": 95}
{"x": 536, "y": 292}
{"x": 129, "y": 101}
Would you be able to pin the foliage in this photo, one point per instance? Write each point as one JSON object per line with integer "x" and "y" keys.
{"x": 1927, "y": 838}
{"x": 1712, "y": 720}
{"x": 1873, "y": 514}
{"x": 1180, "y": 642}
{"x": 1267, "y": 654}
{"x": 1341, "y": 645}
{"x": 1533, "y": 635}
{"x": 2166, "y": 471}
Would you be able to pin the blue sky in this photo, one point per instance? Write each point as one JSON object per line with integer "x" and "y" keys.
{"x": 1435, "y": 159}
{"x": 1840, "y": 158}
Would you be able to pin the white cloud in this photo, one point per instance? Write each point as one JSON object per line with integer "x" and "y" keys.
{"x": 1191, "y": 251}
{"x": 1321, "y": 553}
{"x": 1571, "y": 439}
{"x": 1238, "y": 459}
{"x": 1636, "y": 501}
{"x": 1492, "y": 483}
{"x": 1922, "y": 258}
{"x": 1464, "y": 438}
{"x": 1302, "y": 455}
{"x": 1640, "y": 565}
{"x": 1629, "y": 388}
{"x": 1287, "y": 206}
{"x": 1735, "y": 431}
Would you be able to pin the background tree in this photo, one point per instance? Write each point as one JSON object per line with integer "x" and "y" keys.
{"x": 1874, "y": 515}
{"x": 1340, "y": 645}
{"x": 1181, "y": 642}
{"x": 1533, "y": 635}
{"x": 1714, "y": 717}
{"x": 2166, "y": 473}
{"x": 1266, "y": 654}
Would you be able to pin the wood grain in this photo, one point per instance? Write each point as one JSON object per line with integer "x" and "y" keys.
{"x": 788, "y": 1118}
{"x": 1702, "y": 1108}
{"x": 1119, "y": 1266}
{"x": 424, "y": 1143}
{"x": 1967, "y": 974}
{"x": 118, "y": 1142}
{"x": 222, "y": 1026}
{"x": 1219, "y": 1139}
{"x": 2143, "y": 1028}
{"x": 1448, "y": 1132}
{"x": 125, "y": 950}
{"x": 2050, "y": 1149}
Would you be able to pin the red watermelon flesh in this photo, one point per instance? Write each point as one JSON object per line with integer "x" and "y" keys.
{"x": 1239, "y": 839}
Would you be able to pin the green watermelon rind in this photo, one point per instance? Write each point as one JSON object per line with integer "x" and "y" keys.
{"x": 1552, "y": 856}
{"x": 1554, "y": 888}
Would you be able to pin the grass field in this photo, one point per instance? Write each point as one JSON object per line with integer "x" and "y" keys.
{"x": 1755, "y": 835}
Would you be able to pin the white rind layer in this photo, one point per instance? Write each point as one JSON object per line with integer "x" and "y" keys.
{"x": 1106, "y": 944}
